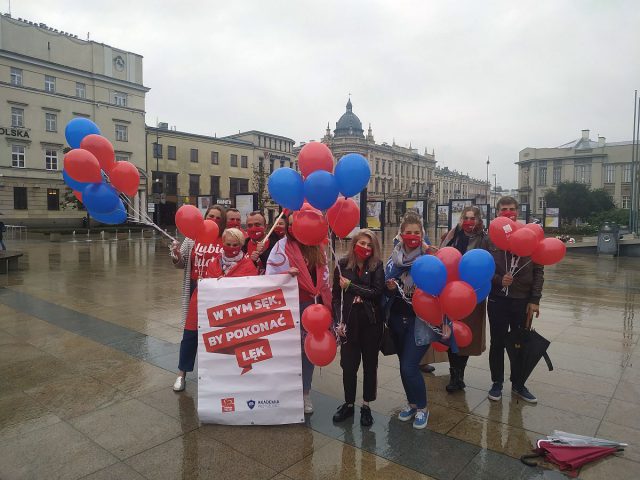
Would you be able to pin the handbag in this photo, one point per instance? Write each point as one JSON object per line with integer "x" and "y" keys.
{"x": 387, "y": 345}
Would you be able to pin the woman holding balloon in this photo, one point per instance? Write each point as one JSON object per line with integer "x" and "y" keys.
{"x": 469, "y": 234}
{"x": 193, "y": 256}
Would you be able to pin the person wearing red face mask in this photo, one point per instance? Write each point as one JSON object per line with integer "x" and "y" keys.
{"x": 358, "y": 283}
{"x": 234, "y": 220}
{"x": 194, "y": 258}
{"x": 233, "y": 262}
{"x": 513, "y": 302}
{"x": 467, "y": 235}
{"x": 256, "y": 245}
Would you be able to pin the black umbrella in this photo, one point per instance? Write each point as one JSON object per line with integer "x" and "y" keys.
{"x": 525, "y": 349}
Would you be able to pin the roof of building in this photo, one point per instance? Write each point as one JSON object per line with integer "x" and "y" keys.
{"x": 258, "y": 132}
{"x": 581, "y": 143}
{"x": 165, "y": 132}
{"x": 349, "y": 124}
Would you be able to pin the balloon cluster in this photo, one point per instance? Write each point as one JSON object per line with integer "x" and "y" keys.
{"x": 526, "y": 241}
{"x": 321, "y": 186}
{"x": 451, "y": 284}
{"x": 191, "y": 224}
{"x": 86, "y": 166}
{"x": 320, "y": 344}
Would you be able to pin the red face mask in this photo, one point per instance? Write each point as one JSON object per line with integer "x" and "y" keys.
{"x": 512, "y": 215}
{"x": 290, "y": 230}
{"x": 279, "y": 230}
{"x": 256, "y": 233}
{"x": 231, "y": 252}
{"x": 362, "y": 252}
{"x": 411, "y": 240}
{"x": 233, "y": 223}
{"x": 468, "y": 225}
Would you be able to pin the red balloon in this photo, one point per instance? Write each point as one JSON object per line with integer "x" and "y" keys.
{"x": 189, "y": 221}
{"x": 549, "y": 251}
{"x": 451, "y": 258}
{"x": 315, "y": 156}
{"x": 82, "y": 166}
{"x": 458, "y": 299}
{"x": 316, "y": 319}
{"x": 427, "y": 307}
{"x": 307, "y": 206}
{"x": 523, "y": 242}
{"x": 462, "y": 334}
{"x": 500, "y": 229}
{"x": 320, "y": 349}
{"x": 77, "y": 194}
{"x": 537, "y": 229}
{"x": 125, "y": 178}
{"x": 309, "y": 227}
{"x": 439, "y": 347}
{"x": 101, "y": 149}
{"x": 209, "y": 232}
{"x": 343, "y": 216}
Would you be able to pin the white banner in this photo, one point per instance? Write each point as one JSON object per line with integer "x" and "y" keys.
{"x": 249, "y": 357}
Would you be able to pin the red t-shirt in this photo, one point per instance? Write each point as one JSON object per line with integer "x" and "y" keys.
{"x": 201, "y": 255}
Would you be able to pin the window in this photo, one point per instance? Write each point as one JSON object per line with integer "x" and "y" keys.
{"x": 215, "y": 186}
{"x": 281, "y": 163}
{"x": 194, "y": 155}
{"x": 194, "y": 184}
{"x": 16, "y": 76}
{"x": 234, "y": 160}
{"x": 17, "y": 156}
{"x": 244, "y": 161}
{"x": 557, "y": 175}
{"x": 583, "y": 173}
{"x": 626, "y": 173}
{"x": 238, "y": 185}
{"x": 49, "y": 83}
{"x": 120, "y": 99}
{"x": 171, "y": 152}
{"x": 81, "y": 90}
{"x": 541, "y": 204}
{"x": 609, "y": 174}
{"x": 542, "y": 176}
{"x": 377, "y": 165}
{"x": 626, "y": 202}
{"x": 215, "y": 159}
{"x": 53, "y": 199}
{"x": 157, "y": 150}
{"x": 122, "y": 133}
{"x": 51, "y": 122}
{"x": 51, "y": 159}
{"x": 171, "y": 183}
{"x": 122, "y": 157}
{"x": 19, "y": 198}
{"x": 17, "y": 117}
{"x": 270, "y": 165}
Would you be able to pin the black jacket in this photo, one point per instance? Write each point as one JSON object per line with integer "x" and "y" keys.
{"x": 368, "y": 286}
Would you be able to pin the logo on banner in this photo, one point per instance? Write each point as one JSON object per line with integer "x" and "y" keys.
{"x": 243, "y": 325}
{"x": 228, "y": 404}
{"x": 251, "y": 404}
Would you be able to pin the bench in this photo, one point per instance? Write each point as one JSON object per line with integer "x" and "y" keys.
{"x": 9, "y": 260}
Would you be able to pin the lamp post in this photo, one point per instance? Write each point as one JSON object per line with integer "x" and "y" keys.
{"x": 488, "y": 184}
{"x": 157, "y": 182}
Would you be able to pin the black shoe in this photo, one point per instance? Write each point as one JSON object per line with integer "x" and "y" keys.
{"x": 455, "y": 380}
{"x": 366, "y": 420}
{"x": 344, "y": 411}
{"x": 461, "y": 378}
{"x": 427, "y": 368}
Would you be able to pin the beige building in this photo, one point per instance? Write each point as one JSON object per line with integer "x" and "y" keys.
{"x": 597, "y": 164}
{"x": 451, "y": 184}
{"x": 47, "y": 78}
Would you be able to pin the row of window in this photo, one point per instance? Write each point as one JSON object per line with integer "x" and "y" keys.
{"x": 119, "y": 99}
{"x": 51, "y": 157}
{"x": 413, "y": 170}
{"x": 168, "y": 183}
{"x": 625, "y": 203}
{"x": 582, "y": 174}
{"x": 194, "y": 156}
{"x": 20, "y": 201}
{"x": 274, "y": 143}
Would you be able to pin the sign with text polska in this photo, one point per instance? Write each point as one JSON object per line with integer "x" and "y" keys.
{"x": 249, "y": 357}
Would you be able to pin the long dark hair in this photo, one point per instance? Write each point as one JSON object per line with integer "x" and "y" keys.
{"x": 222, "y": 211}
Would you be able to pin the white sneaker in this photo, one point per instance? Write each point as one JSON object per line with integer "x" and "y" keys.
{"x": 308, "y": 406}
{"x": 179, "y": 384}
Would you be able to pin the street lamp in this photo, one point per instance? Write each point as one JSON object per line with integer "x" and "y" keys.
{"x": 488, "y": 184}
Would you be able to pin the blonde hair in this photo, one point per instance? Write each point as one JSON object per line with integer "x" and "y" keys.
{"x": 371, "y": 262}
{"x": 233, "y": 234}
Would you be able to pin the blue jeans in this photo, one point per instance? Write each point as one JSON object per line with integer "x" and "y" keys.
{"x": 188, "y": 350}
{"x": 409, "y": 354}
{"x": 307, "y": 366}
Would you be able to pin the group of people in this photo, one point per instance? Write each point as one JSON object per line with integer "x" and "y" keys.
{"x": 368, "y": 296}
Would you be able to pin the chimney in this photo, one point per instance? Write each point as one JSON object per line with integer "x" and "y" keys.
{"x": 585, "y": 134}
{"x": 601, "y": 141}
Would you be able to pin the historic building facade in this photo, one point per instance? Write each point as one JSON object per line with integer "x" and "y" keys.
{"x": 47, "y": 78}
{"x": 598, "y": 164}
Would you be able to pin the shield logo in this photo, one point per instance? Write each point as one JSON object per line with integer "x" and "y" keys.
{"x": 251, "y": 404}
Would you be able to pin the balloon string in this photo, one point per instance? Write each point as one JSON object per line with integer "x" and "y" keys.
{"x": 146, "y": 219}
{"x": 341, "y": 323}
{"x": 528, "y": 262}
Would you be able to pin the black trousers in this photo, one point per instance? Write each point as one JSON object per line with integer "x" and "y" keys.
{"x": 362, "y": 345}
{"x": 505, "y": 315}
{"x": 457, "y": 361}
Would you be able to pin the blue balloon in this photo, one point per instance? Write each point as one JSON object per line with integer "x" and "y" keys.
{"x": 73, "y": 184}
{"x": 286, "y": 188}
{"x": 476, "y": 267}
{"x": 100, "y": 198}
{"x": 352, "y": 174}
{"x": 117, "y": 216}
{"x": 429, "y": 274}
{"x": 321, "y": 189}
{"x": 77, "y": 129}
{"x": 483, "y": 291}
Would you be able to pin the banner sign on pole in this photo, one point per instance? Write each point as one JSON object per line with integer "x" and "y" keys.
{"x": 249, "y": 352}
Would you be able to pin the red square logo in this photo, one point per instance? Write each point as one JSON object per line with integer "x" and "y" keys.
{"x": 228, "y": 405}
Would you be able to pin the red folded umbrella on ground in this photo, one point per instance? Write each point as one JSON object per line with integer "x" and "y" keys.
{"x": 569, "y": 458}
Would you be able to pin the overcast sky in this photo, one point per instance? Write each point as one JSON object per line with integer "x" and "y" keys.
{"x": 469, "y": 79}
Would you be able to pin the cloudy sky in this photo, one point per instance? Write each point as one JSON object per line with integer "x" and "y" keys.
{"x": 469, "y": 79}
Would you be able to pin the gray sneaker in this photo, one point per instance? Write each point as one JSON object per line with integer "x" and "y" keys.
{"x": 525, "y": 394}
{"x": 495, "y": 393}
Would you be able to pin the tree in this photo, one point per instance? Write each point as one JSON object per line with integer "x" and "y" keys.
{"x": 601, "y": 201}
{"x": 259, "y": 184}
{"x": 576, "y": 201}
